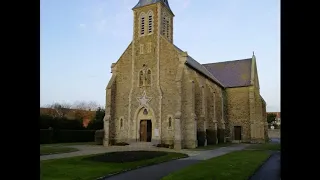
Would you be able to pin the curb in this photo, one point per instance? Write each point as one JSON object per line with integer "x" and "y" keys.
{"x": 138, "y": 167}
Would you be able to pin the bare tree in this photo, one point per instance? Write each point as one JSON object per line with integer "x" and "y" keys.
{"x": 60, "y": 109}
{"x": 85, "y": 105}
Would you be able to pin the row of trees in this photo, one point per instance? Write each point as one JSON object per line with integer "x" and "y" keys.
{"x": 61, "y": 109}
{"x": 72, "y": 117}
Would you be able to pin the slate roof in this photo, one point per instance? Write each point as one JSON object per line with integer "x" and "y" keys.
{"x": 148, "y": 2}
{"x": 235, "y": 73}
{"x": 200, "y": 68}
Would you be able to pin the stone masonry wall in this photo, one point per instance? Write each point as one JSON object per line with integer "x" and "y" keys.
{"x": 169, "y": 62}
{"x": 238, "y": 111}
{"x": 144, "y": 56}
{"x": 207, "y": 105}
{"x": 123, "y": 85}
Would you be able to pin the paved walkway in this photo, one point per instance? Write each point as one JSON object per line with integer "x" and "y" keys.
{"x": 156, "y": 172}
{"x": 269, "y": 170}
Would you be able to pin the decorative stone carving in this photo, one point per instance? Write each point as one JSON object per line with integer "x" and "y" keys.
{"x": 144, "y": 100}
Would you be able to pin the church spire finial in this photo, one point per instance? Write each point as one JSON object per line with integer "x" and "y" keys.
{"x": 252, "y": 53}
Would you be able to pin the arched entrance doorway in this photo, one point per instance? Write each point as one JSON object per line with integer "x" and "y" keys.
{"x": 145, "y": 130}
{"x": 145, "y": 123}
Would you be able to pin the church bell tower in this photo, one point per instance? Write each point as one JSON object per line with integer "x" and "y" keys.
{"x": 153, "y": 22}
{"x": 153, "y": 18}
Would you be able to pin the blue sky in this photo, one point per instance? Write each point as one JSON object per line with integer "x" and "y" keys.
{"x": 79, "y": 39}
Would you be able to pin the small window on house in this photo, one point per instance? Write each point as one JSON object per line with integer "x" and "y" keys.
{"x": 148, "y": 79}
{"x": 170, "y": 122}
{"x": 150, "y": 22}
{"x": 141, "y": 78}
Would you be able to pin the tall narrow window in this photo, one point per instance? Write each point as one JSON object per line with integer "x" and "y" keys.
{"x": 168, "y": 28}
{"x": 148, "y": 77}
{"x": 170, "y": 122}
{"x": 164, "y": 25}
{"x": 142, "y": 23}
{"x": 150, "y": 22}
{"x": 141, "y": 78}
{"x": 121, "y": 123}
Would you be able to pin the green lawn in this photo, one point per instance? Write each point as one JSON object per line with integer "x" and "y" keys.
{"x": 266, "y": 146}
{"x": 239, "y": 165}
{"x": 46, "y": 149}
{"x": 210, "y": 147}
{"x": 95, "y": 166}
{"x": 69, "y": 144}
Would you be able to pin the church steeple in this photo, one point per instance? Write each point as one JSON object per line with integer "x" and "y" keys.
{"x": 153, "y": 18}
{"x": 148, "y": 2}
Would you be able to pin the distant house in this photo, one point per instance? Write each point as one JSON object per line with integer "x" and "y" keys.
{"x": 278, "y": 117}
{"x": 71, "y": 114}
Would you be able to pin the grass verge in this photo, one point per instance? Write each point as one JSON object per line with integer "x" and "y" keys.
{"x": 46, "y": 149}
{"x": 266, "y": 146}
{"x": 239, "y": 165}
{"x": 55, "y": 150}
{"x": 81, "y": 168}
{"x": 70, "y": 144}
{"x": 210, "y": 147}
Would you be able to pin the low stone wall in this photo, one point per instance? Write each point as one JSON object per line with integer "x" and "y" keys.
{"x": 274, "y": 133}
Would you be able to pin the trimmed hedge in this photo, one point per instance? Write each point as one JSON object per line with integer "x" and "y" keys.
{"x": 98, "y": 137}
{"x": 48, "y": 136}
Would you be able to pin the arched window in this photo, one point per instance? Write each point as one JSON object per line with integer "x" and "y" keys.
{"x": 142, "y": 23}
{"x": 141, "y": 78}
{"x": 148, "y": 79}
{"x": 168, "y": 28}
{"x": 145, "y": 112}
{"x": 170, "y": 122}
{"x": 150, "y": 22}
{"x": 164, "y": 25}
{"x": 121, "y": 123}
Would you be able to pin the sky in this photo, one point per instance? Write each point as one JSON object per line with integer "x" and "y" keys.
{"x": 79, "y": 39}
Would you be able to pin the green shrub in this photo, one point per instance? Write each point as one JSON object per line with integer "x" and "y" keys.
{"x": 211, "y": 136}
{"x": 98, "y": 136}
{"x": 46, "y": 121}
{"x": 65, "y": 136}
{"x": 201, "y": 137}
{"x": 46, "y": 136}
{"x": 95, "y": 125}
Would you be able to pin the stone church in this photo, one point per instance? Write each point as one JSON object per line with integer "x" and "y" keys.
{"x": 159, "y": 94}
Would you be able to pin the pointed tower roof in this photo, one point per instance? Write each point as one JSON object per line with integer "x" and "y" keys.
{"x": 148, "y": 2}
